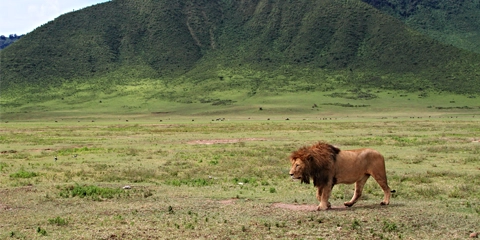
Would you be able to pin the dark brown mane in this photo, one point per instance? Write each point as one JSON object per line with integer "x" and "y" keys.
{"x": 319, "y": 162}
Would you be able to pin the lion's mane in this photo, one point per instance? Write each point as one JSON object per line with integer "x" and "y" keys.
{"x": 319, "y": 160}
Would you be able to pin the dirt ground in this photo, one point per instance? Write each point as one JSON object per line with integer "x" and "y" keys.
{"x": 304, "y": 207}
{"x": 288, "y": 206}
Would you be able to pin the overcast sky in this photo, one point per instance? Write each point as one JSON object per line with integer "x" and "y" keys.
{"x": 23, "y": 16}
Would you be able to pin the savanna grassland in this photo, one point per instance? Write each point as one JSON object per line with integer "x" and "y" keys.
{"x": 159, "y": 119}
{"x": 227, "y": 178}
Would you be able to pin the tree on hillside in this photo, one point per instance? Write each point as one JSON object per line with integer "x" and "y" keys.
{"x": 5, "y": 42}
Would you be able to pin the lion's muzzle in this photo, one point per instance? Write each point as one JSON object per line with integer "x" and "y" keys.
{"x": 293, "y": 177}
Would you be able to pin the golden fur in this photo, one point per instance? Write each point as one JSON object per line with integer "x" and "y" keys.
{"x": 328, "y": 165}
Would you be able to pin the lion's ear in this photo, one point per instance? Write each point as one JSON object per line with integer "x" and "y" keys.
{"x": 335, "y": 150}
{"x": 310, "y": 158}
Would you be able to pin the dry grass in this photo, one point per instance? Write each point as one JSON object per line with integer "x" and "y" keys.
{"x": 234, "y": 186}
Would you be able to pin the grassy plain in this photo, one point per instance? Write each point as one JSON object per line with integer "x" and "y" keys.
{"x": 205, "y": 177}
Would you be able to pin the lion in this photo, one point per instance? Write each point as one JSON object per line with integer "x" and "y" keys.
{"x": 328, "y": 165}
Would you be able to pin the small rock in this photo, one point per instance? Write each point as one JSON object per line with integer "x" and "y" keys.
{"x": 474, "y": 235}
{"x": 127, "y": 187}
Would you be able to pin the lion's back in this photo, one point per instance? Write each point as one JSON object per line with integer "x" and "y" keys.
{"x": 351, "y": 165}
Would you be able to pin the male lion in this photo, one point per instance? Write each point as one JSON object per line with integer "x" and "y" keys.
{"x": 328, "y": 165}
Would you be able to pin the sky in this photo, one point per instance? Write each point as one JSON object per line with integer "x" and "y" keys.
{"x": 23, "y": 16}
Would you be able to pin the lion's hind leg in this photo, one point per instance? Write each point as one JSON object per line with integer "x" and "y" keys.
{"x": 358, "y": 191}
{"x": 382, "y": 181}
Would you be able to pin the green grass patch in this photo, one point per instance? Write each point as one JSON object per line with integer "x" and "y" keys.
{"x": 190, "y": 182}
{"x": 90, "y": 191}
{"x": 2, "y": 166}
{"x": 82, "y": 150}
{"x": 23, "y": 174}
{"x": 389, "y": 226}
{"x": 42, "y": 231}
{"x": 58, "y": 221}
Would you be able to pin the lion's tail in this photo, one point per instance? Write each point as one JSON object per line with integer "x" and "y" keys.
{"x": 393, "y": 191}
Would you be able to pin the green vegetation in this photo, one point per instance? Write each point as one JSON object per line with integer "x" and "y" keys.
{"x": 2, "y": 166}
{"x": 41, "y": 231}
{"x": 6, "y": 41}
{"x": 58, "y": 221}
{"x": 174, "y": 189}
{"x": 140, "y": 119}
{"x": 190, "y": 182}
{"x": 452, "y": 22}
{"x": 90, "y": 191}
{"x": 224, "y": 53}
{"x": 23, "y": 174}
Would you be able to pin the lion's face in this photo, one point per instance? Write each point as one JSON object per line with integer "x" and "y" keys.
{"x": 297, "y": 171}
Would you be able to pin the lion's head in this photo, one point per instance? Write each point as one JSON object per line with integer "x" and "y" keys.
{"x": 315, "y": 162}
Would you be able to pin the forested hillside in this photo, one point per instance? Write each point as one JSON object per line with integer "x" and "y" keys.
{"x": 451, "y": 22}
{"x": 196, "y": 40}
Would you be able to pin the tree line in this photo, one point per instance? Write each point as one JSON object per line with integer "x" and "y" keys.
{"x": 6, "y": 41}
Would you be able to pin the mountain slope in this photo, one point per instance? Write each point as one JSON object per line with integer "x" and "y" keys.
{"x": 451, "y": 22}
{"x": 100, "y": 38}
{"x": 195, "y": 39}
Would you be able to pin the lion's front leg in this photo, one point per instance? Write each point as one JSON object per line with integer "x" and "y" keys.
{"x": 323, "y": 194}
{"x": 319, "y": 193}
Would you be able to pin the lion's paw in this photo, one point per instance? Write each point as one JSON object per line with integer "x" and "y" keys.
{"x": 323, "y": 208}
{"x": 348, "y": 204}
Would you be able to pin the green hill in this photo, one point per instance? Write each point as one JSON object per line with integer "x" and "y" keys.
{"x": 186, "y": 50}
{"x": 451, "y": 22}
